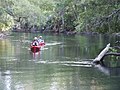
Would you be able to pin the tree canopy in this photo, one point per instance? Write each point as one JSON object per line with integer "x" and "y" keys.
{"x": 62, "y": 15}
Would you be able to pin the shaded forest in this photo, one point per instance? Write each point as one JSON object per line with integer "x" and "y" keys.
{"x": 60, "y": 16}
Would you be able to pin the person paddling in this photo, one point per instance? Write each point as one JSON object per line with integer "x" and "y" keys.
{"x": 35, "y": 42}
{"x": 41, "y": 41}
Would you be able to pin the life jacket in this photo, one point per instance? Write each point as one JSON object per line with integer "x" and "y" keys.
{"x": 35, "y": 43}
{"x": 41, "y": 42}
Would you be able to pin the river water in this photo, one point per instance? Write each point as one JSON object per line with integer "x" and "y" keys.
{"x": 63, "y": 64}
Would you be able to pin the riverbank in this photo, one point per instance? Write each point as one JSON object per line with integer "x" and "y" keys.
{"x": 61, "y": 32}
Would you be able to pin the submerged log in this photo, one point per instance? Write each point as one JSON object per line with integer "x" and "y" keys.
{"x": 101, "y": 55}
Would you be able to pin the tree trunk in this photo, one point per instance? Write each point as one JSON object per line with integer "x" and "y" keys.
{"x": 102, "y": 53}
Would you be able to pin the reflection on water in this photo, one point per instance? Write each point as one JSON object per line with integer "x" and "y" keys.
{"x": 111, "y": 71}
{"x": 8, "y": 80}
{"x": 103, "y": 69}
{"x": 63, "y": 64}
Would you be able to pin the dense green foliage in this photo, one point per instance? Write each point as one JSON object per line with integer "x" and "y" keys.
{"x": 6, "y": 21}
{"x": 62, "y": 15}
{"x": 34, "y": 12}
{"x": 92, "y": 15}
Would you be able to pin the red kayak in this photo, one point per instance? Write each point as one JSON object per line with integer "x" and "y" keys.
{"x": 42, "y": 44}
{"x": 35, "y": 49}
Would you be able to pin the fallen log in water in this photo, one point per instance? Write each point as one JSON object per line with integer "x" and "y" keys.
{"x": 115, "y": 54}
{"x": 102, "y": 53}
{"x": 117, "y": 47}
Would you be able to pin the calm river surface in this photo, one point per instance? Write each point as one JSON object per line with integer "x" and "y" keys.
{"x": 63, "y": 64}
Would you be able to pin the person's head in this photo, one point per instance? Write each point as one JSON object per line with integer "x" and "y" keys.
{"x": 35, "y": 38}
{"x": 40, "y": 37}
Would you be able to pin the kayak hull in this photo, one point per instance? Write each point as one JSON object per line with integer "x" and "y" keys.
{"x": 35, "y": 48}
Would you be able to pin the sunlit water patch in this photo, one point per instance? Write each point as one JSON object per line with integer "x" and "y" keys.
{"x": 22, "y": 41}
{"x": 69, "y": 63}
{"x": 9, "y": 58}
{"x": 53, "y": 43}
